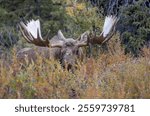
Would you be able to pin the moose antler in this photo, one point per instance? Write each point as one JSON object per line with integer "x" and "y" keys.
{"x": 106, "y": 34}
{"x": 108, "y": 31}
{"x": 32, "y": 34}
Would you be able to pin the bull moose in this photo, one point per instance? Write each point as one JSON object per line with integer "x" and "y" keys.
{"x": 66, "y": 50}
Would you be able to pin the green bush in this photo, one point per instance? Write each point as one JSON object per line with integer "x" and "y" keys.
{"x": 135, "y": 23}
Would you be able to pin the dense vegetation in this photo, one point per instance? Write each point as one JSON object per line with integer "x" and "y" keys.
{"x": 111, "y": 75}
{"x": 121, "y": 72}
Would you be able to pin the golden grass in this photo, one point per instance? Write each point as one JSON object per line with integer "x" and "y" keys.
{"x": 111, "y": 75}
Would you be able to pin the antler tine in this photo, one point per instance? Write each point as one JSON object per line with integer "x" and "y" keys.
{"x": 24, "y": 32}
{"x": 113, "y": 30}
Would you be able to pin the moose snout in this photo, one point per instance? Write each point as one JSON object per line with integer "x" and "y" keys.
{"x": 68, "y": 62}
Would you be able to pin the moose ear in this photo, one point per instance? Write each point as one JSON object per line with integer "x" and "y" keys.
{"x": 83, "y": 39}
{"x": 61, "y": 36}
{"x": 58, "y": 40}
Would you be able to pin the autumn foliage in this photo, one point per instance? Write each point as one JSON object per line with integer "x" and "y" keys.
{"x": 110, "y": 75}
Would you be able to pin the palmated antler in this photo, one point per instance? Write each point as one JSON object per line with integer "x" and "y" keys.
{"x": 106, "y": 34}
{"x": 32, "y": 34}
{"x": 108, "y": 31}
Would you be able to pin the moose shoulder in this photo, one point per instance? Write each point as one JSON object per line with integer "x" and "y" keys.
{"x": 66, "y": 50}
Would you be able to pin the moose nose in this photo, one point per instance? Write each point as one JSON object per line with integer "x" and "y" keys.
{"x": 69, "y": 61}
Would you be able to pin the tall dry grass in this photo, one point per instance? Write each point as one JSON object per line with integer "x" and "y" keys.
{"x": 110, "y": 75}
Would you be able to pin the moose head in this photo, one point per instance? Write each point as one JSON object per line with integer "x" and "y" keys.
{"x": 68, "y": 49}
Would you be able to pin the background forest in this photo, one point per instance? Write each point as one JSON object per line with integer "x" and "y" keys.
{"x": 120, "y": 69}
